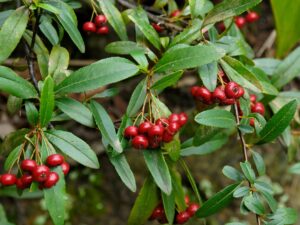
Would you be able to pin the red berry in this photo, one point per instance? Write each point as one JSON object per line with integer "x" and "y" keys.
{"x": 175, "y": 13}
{"x": 183, "y": 118}
{"x": 51, "y": 180}
{"x": 252, "y": 17}
{"x": 41, "y": 173}
{"x": 27, "y": 180}
{"x": 194, "y": 91}
{"x": 221, "y": 26}
{"x": 140, "y": 142}
{"x": 192, "y": 209}
{"x": 103, "y": 30}
{"x": 241, "y": 92}
{"x": 219, "y": 94}
{"x": 240, "y": 21}
{"x": 144, "y": 127}
{"x": 89, "y": 27}
{"x": 173, "y": 127}
{"x": 157, "y": 27}
{"x": 157, "y": 213}
{"x": 228, "y": 101}
{"x": 252, "y": 122}
{"x": 182, "y": 217}
{"x": 232, "y": 90}
{"x": 28, "y": 165}
{"x": 8, "y": 179}
{"x": 173, "y": 118}
{"x": 258, "y": 107}
{"x": 55, "y": 160}
{"x": 20, "y": 185}
{"x": 253, "y": 98}
{"x": 204, "y": 95}
{"x": 163, "y": 122}
{"x": 187, "y": 200}
{"x": 99, "y": 20}
{"x": 154, "y": 142}
{"x": 65, "y": 168}
{"x": 167, "y": 137}
{"x": 156, "y": 130}
{"x": 131, "y": 132}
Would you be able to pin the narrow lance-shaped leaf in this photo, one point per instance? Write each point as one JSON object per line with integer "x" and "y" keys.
{"x": 47, "y": 102}
{"x": 74, "y": 147}
{"x": 97, "y": 75}
{"x": 58, "y": 63}
{"x": 137, "y": 98}
{"x": 169, "y": 206}
{"x": 145, "y": 203}
{"x": 114, "y": 18}
{"x": 15, "y": 85}
{"x": 216, "y": 118}
{"x": 217, "y": 202}
{"x": 208, "y": 74}
{"x": 32, "y": 113}
{"x": 12, "y": 30}
{"x": 188, "y": 57}
{"x": 139, "y": 17}
{"x": 278, "y": 123}
{"x": 229, "y": 8}
{"x": 159, "y": 170}
{"x": 106, "y": 126}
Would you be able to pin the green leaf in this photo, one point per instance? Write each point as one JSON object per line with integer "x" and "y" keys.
{"x": 268, "y": 65}
{"x": 145, "y": 203}
{"x": 217, "y": 202}
{"x": 74, "y": 147}
{"x": 49, "y": 31}
{"x": 4, "y": 15}
{"x": 169, "y": 206}
{"x": 263, "y": 187}
{"x": 196, "y": 7}
{"x": 208, "y": 74}
{"x": 295, "y": 169}
{"x": 287, "y": 31}
{"x": 32, "y": 113}
{"x": 167, "y": 80}
{"x": 278, "y": 123}
{"x": 76, "y": 110}
{"x": 13, "y": 140}
{"x": 140, "y": 19}
{"x": 40, "y": 50}
{"x": 12, "y": 158}
{"x": 241, "y": 192}
{"x": 3, "y": 219}
{"x": 124, "y": 48}
{"x": 270, "y": 200}
{"x": 55, "y": 199}
{"x": 137, "y": 98}
{"x": 47, "y": 102}
{"x": 259, "y": 163}
{"x": 114, "y": 18}
{"x": 173, "y": 148}
{"x": 15, "y": 85}
{"x": 106, "y": 126}
{"x": 232, "y": 173}
{"x": 188, "y": 35}
{"x": 123, "y": 169}
{"x": 188, "y": 57}
{"x": 283, "y": 216}
{"x": 287, "y": 70}
{"x": 178, "y": 190}
{"x": 229, "y": 8}
{"x": 159, "y": 109}
{"x": 206, "y": 148}
{"x": 248, "y": 171}
{"x": 216, "y": 118}
{"x": 97, "y": 75}
{"x": 68, "y": 20}
{"x": 254, "y": 204}
{"x": 49, "y": 8}
{"x": 58, "y": 63}
{"x": 13, "y": 104}
{"x": 111, "y": 92}
{"x": 159, "y": 169}
{"x": 11, "y": 31}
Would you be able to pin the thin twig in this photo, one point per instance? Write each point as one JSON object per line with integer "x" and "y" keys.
{"x": 153, "y": 17}
{"x": 267, "y": 44}
{"x": 30, "y": 65}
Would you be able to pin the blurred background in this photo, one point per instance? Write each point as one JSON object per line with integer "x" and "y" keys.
{"x": 98, "y": 196}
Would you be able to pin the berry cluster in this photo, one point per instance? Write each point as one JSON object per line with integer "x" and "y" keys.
{"x": 98, "y": 26}
{"x": 223, "y": 95}
{"x": 180, "y": 217}
{"x": 152, "y": 135}
{"x": 251, "y": 17}
{"x": 256, "y": 107}
{"x": 32, "y": 172}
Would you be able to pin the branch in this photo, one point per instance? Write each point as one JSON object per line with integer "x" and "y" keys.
{"x": 244, "y": 147}
{"x": 153, "y": 17}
